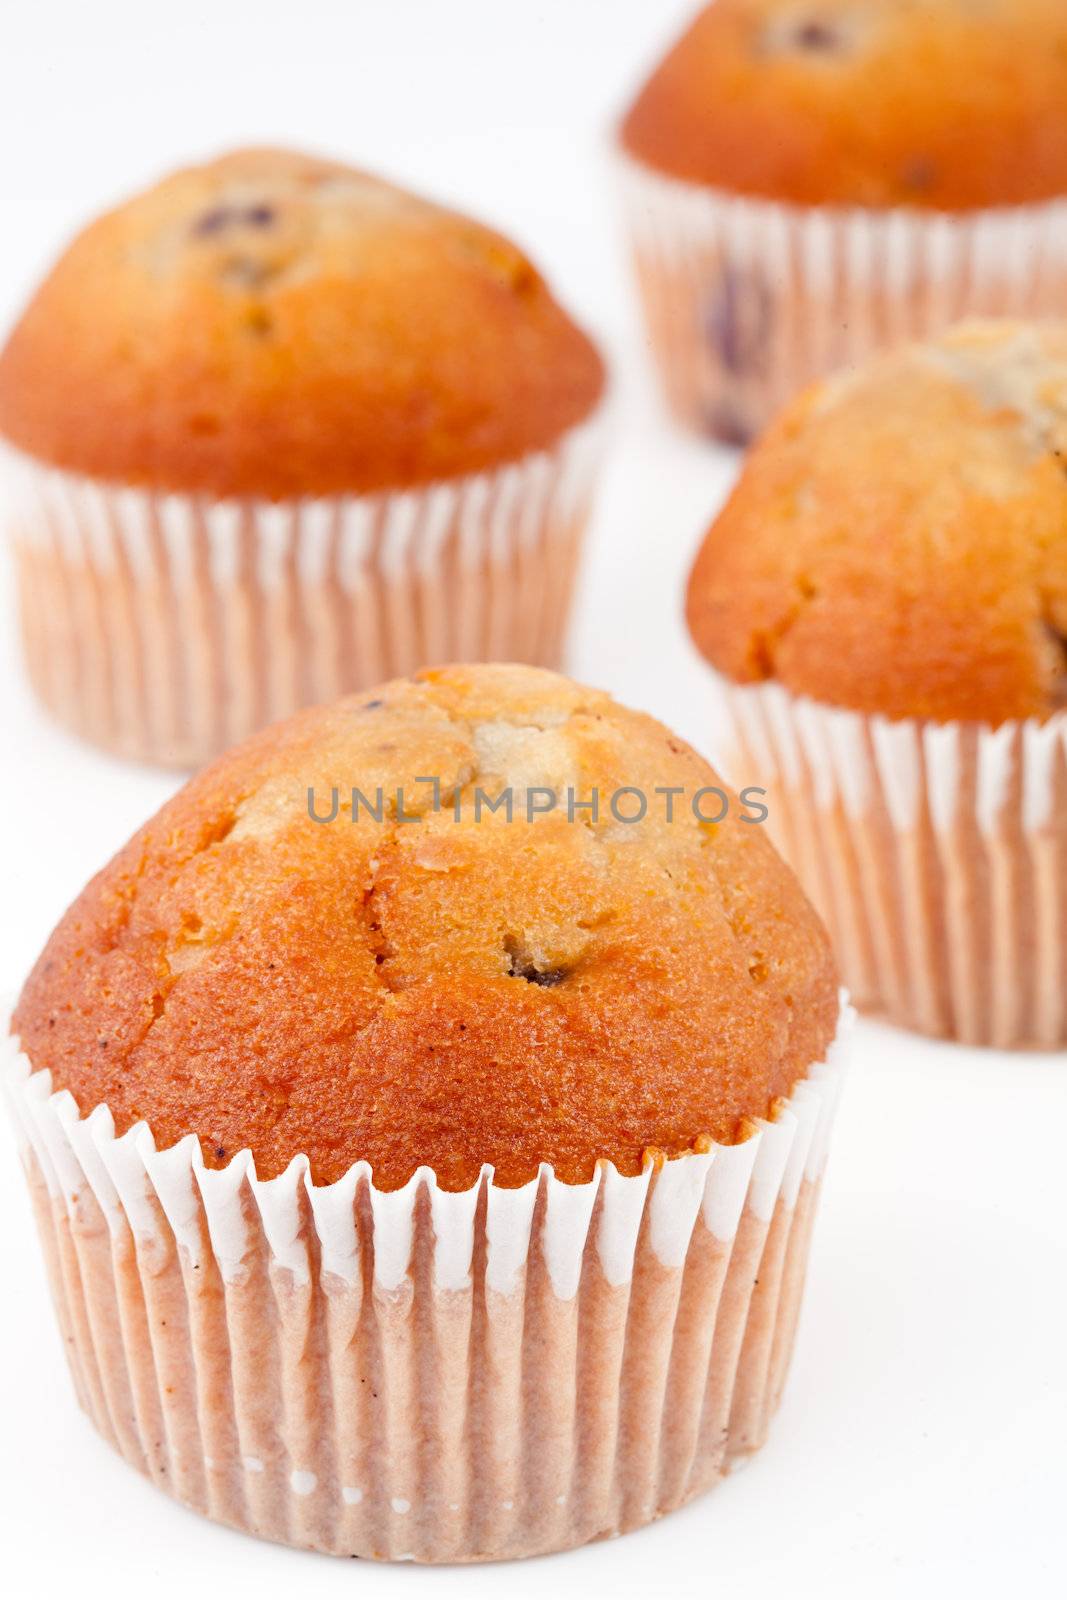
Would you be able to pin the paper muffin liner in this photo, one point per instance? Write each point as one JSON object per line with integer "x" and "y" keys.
{"x": 166, "y": 627}
{"x": 936, "y": 853}
{"x": 420, "y": 1374}
{"x": 748, "y": 300}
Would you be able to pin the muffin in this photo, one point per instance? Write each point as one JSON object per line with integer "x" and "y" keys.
{"x": 276, "y": 430}
{"x": 419, "y": 1179}
{"x": 884, "y": 597}
{"x": 809, "y": 180}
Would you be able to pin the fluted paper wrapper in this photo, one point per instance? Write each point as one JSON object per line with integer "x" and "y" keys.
{"x": 748, "y": 300}
{"x": 936, "y": 852}
{"x": 420, "y": 1374}
{"x": 166, "y": 627}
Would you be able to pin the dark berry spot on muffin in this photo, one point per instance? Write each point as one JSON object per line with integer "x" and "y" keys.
{"x": 820, "y": 37}
{"x": 738, "y": 323}
{"x": 219, "y": 218}
{"x": 817, "y": 35}
{"x": 372, "y": 705}
{"x": 212, "y": 221}
{"x": 522, "y": 963}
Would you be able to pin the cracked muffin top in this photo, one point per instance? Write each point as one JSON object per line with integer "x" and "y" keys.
{"x": 274, "y": 325}
{"x": 897, "y": 541}
{"x": 427, "y": 990}
{"x": 944, "y": 104}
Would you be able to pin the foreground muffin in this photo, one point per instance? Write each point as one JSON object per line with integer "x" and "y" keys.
{"x": 277, "y": 430}
{"x": 445, "y": 1182}
{"x": 807, "y": 180}
{"x": 885, "y": 597}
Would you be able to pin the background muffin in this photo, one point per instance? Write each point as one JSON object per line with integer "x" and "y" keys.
{"x": 280, "y": 428}
{"x": 439, "y": 993}
{"x": 810, "y": 179}
{"x": 895, "y": 548}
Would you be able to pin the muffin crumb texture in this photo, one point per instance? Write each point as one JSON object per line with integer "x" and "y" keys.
{"x": 952, "y": 106}
{"x": 270, "y": 324}
{"x": 423, "y": 990}
{"x": 896, "y": 542}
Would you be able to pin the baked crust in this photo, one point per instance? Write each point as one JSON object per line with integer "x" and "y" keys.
{"x": 952, "y": 106}
{"x": 270, "y": 324}
{"x": 896, "y": 542}
{"x": 435, "y": 992}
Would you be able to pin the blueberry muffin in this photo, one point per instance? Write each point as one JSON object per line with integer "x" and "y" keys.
{"x": 440, "y": 1077}
{"x": 885, "y": 593}
{"x": 811, "y": 179}
{"x": 277, "y": 428}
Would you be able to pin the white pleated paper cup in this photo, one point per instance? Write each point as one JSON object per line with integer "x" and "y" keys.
{"x": 936, "y": 853}
{"x": 748, "y": 300}
{"x": 420, "y": 1374}
{"x": 167, "y": 627}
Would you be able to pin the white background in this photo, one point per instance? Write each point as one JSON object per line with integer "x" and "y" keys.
{"x": 922, "y": 1446}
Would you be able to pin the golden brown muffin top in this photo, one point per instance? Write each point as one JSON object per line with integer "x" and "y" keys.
{"x": 270, "y": 324}
{"x": 897, "y": 541}
{"x": 944, "y": 104}
{"x": 433, "y": 991}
